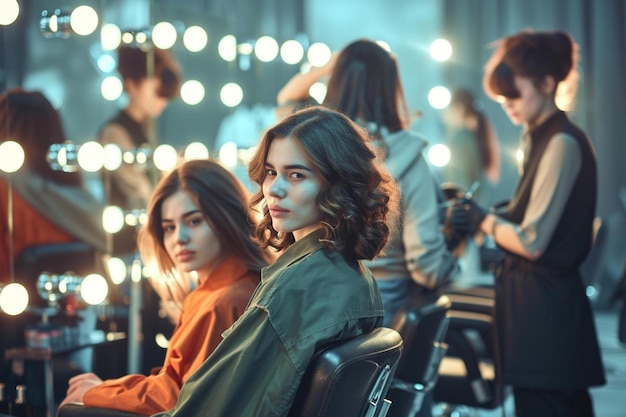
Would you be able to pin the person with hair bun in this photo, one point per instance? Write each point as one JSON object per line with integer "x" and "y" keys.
{"x": 548, "y": 340}
{"x": 325, "y": 205}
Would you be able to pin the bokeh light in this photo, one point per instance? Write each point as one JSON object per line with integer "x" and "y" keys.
{"x": 318, "y": 54}
{"x": 111, "y": 88}
{"x": 196, "y": 150}
{"x": 84, "y": 20}
{"x": 192, "y": 92}
{"x": 227, "y": 48}
{"x": 195, "y": 38}
{"x": 13, "y": 299}
{"x": 164, "y": 157}
{"x": 112, "y": 219}
{"x": 266, "y": 48}
{"x": 11, "y": 156}
{"x": 94, "y": 289}
{"x": 91, "y": 156}
{"x": 291, "y": 52}
{"x": 164, "y": 35}
{"x": 439, "y": 97}
{"x": 10, "y": 11}
{"x": 440, "y": 50}
{"x": 439, "y": 155}
{"x": 231, "y": 94}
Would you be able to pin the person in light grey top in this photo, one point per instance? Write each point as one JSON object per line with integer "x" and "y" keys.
{"x": 365, "y": 84}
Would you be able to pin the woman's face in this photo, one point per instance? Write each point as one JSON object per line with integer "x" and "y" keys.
{"x": 189, "y": 240}
{"x": 531, "y": 107}
{"x": 290, "y": 187}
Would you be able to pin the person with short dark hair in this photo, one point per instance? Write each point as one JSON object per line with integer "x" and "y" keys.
{"x": 151, "y": 79}
{"x": 325, "y": 205}
{"x": 548, "y": 340}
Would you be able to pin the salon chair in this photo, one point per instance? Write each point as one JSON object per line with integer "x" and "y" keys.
{"x": 348, "y": 379}
{"x": 470, "y": 374}
{"x": 422, "y": 324}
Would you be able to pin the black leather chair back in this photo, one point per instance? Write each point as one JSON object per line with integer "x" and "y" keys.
{"x": 350, "y": 378}
{"x": 422, "y": 324}
{"x": 470, "y": 374}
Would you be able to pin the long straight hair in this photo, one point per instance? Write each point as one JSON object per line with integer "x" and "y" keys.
{"x": 365, "y": 85}
{"x": 223, "y": 201}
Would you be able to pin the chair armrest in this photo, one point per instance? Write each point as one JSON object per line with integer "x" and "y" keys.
{"x": 79, "y": 410}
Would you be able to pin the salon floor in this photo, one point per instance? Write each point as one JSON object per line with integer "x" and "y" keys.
{"x": 610, "y": 399}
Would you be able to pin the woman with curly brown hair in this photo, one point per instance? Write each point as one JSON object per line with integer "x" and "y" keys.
{"x": 325, "y": 205}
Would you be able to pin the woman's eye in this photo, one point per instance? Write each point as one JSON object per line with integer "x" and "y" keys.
{"x": 297, "y": 176}
{"x": 168, "y": 229}
{"x": 196, "y": 221}
{"x": 270, "y": 173}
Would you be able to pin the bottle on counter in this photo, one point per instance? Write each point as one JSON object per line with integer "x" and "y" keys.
{"x": 20, "y": 406}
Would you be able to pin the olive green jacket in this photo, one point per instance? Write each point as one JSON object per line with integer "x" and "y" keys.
{"x": 309, "y": 297}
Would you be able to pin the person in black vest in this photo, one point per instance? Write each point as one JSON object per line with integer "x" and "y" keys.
{"x": 547, "y": 335}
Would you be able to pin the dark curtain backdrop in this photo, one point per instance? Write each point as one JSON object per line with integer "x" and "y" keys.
{"x": 599, "y": 29}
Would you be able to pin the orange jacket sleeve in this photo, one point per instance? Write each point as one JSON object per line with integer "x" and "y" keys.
{"x": 206, "y": 314}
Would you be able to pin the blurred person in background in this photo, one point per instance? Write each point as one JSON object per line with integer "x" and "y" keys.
{"x": 49, "y": 207}
{"x": 473, "y": 144}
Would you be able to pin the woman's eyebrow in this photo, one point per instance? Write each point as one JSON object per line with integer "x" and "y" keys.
{"x": 185, "y": 215}
{"x": 292, "y": 166}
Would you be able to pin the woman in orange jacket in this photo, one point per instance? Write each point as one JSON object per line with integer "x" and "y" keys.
{"x": 198, "y": 220}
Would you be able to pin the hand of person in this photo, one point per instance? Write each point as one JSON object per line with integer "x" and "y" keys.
{"x": 78, "y": 386}
{"x": 466, "y": 216}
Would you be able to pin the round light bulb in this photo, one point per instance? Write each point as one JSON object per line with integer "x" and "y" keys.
{"x": 227, "y": 48}
{"x": 291, "y": 52}
{"x": 195, "y": 38}
{"x": 110, "y": 36}
{"x": 440, "y": 50}
{"x": 117, "y": 269}
{"x": 10, "y": 11}
{"x": 11, "y": 156}
{"x": 192, "y": 92}
{"x": 84, "y": 20}
{"x": 112, "y": 156}
{"x": 112, "y": 219}
{"x": 90, "y": 156}
{"x": 94, "y": 289}
{"x": 439, "y": 155}
{"x": 196, "y": 150}
{"x": 319, "y": 54}
{"x": 13, "y": 299}
{"x": 165, "y": 157}
{"x": 266, "y": 48}
{"x": 231, "y": 94}
{"x": 439, "y": 97}
{"x": 164, "y": 35}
